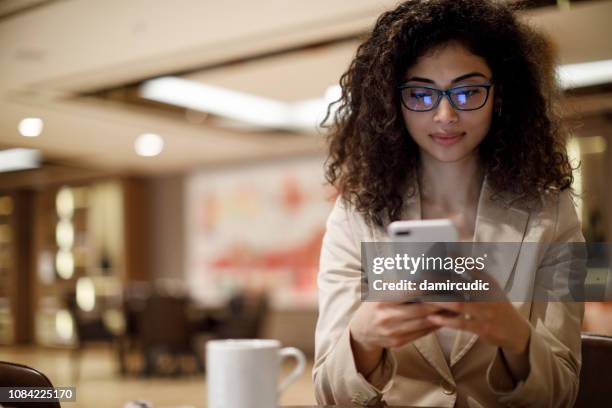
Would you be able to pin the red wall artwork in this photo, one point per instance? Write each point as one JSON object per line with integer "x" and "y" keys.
{"x": 257, "y": 228}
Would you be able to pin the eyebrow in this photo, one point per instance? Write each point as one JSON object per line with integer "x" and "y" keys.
{"x": 459, "y": 78}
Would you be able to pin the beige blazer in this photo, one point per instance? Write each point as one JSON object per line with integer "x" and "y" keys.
{"x": 476, "y": 375}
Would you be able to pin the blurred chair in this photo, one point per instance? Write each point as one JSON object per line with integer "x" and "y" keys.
{"x": 166, "y": 332}
{"x": 245, "y": 317}
{"x": 596, "y": 375}
{"x": 87, "y": 329}
{"x": 134, "y": 300}
{"x": 242, "y": 317}
{"x": 17, "y": 375}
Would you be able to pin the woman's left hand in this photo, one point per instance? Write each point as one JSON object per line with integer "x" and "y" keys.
{"x": 496, "y": 322}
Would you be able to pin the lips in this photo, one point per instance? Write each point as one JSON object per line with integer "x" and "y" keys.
{"x": 447, "y": 139}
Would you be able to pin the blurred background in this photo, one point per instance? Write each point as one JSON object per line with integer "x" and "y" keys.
{"x": 161, "y": 177}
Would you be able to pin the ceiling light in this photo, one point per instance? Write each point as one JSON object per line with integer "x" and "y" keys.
{"x": 19, "y": 159}
{"x": 216, "y": 100}
{"x": 333, "y": 94}
{"x": 584, "y": 74}
{"x": 31, "y": 127}
{"x": 254, "y": 110}
{"x": 149, "y": 145}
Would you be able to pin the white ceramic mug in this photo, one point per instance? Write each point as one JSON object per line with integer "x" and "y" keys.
{"x": 244, "y": 373}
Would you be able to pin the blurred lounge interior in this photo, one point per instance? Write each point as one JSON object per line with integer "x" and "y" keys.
{"x": 161, "y": 177}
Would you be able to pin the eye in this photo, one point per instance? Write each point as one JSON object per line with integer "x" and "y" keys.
{"x": 468, "y": 92}
{"x": 467, "y": 95}
{"x": 421, "y": 95}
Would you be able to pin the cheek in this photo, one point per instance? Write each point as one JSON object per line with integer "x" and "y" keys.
{"x": 479, "y": 123}
{"x": 415, "y": 123}
{"x": 486, "y": 113}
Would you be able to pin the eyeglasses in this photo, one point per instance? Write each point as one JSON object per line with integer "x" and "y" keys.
{"x": 462, "y": 98}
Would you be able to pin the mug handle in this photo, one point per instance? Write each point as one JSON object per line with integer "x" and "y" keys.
{"x": 299, "y": 369}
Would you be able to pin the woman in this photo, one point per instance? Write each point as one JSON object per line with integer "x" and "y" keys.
{"x": 446, "y": 112}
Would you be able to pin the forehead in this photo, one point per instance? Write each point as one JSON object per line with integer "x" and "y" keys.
{"x": 447, "y": 62}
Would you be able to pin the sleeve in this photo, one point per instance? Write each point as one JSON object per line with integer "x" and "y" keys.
{"x": 554, "y": 349}
{"x": 335, "y": 375}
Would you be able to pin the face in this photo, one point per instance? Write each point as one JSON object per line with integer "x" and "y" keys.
{"x": 444, "y": 133}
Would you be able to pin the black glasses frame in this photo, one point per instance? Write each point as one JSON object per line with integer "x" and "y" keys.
{"x": 444, "y": 93}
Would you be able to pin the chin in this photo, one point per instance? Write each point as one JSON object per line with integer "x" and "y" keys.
{"x": 450, "y": 158}
{"x": 450, "y": 155}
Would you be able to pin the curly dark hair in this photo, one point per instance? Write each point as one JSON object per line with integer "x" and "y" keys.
{"x": 372, "y": 158}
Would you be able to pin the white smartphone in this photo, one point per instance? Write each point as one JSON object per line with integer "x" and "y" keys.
{"x": 442, "y": 230}
{"x": 425, "y": 234}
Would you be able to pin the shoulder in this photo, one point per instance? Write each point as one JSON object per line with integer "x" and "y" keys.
{"x": 555, "y": 212}
{"x": 346, "y": 218}
{"x": 556, "y": 204}
{"x": 550, "y": 203}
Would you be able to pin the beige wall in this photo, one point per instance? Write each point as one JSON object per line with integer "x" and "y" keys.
{"x": 167, "y": 222}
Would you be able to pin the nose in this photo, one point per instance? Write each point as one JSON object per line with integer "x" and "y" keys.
{"x": 445, "y": 113}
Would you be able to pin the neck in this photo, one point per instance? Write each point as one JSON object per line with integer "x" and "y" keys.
{"x": 450, "y": 185}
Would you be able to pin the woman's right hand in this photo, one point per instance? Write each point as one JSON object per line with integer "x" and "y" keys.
{"x": 391, "y": 324}
{"x": 379, "y": 325}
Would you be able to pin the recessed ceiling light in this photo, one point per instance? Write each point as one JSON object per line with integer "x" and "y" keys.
{"x": 149, "y": 145}
{"x": 19, "y": 159}
{"x": 585, "y": 74}
{"x": 303, "y": 115}
{"x": 219, "y": 101}
{"x": 31, "y": 127}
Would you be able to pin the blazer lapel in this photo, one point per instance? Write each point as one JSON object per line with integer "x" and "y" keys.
{"x": 496, "y": 221}
{"x": 430, "y": 349}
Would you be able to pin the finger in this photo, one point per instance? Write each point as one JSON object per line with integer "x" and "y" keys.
{"x": 458, "y": 307}
{"x": 390, "y": 317}
{"x": 412, "y": 326}
{"x": 420, "y": 309}
{"x": 458, "y": 323}
{"x": 403, "y": 312}
{"x": 475, "y": 310}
